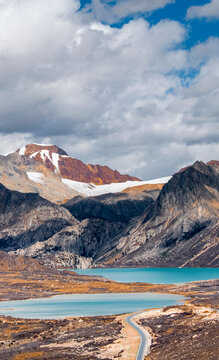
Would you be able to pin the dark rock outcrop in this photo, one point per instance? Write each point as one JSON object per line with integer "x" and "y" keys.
{"x": 181, "y": 228}
{"x": 194, "y": 184}
{"x": 103, "y": 220}
{"x": 27, "y": 218}
{"x": 110, "y": 207}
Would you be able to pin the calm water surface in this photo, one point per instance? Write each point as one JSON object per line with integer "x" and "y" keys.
{"x": 85, "y": 305}
{"x": 154, "y": 275}
{"x": 108, "y": 304}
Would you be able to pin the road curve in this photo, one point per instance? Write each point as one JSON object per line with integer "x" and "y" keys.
{"x": 145, "y": 339}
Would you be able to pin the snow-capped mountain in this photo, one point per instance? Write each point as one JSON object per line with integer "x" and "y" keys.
{"x": 175, "y": 227}
{"x": 88, "y": 180}
{"x": 57, "y": 160}
{"x": 161, "y": 222}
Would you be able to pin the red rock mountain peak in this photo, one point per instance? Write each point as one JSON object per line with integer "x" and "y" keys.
{"x": 57, "y": 160}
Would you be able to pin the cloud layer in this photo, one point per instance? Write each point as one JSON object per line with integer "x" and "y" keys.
{"x": 107, "y": 95}
{"x": 210, "y": 10}
{"x": 104, "y": 10}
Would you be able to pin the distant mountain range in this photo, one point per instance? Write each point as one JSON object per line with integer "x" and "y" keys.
{"x": 58, "y": 161}
{"x": 167, "y": 222}
{"x": 57, "y": 177}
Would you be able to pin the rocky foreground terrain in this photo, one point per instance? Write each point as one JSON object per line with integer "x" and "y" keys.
{"x": 77, "y": 338}
{"x": 186, "y": 331}
{"x": 182, "y": 332}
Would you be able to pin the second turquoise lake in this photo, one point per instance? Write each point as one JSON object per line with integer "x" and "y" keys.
{"x": 153, "y": 275}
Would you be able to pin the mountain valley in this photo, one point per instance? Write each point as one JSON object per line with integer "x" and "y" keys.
{"x": 155, "y": 224}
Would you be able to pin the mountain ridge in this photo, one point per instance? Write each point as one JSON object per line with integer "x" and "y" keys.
{"x": 176, "y": 227}
{"x": 57, "y": 160}
{"x": 180, "y": 228}
{"x": 172, "y": 221}
{"x": 25, "y": 174}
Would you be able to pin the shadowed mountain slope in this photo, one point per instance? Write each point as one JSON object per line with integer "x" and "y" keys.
{"x": 103, "y": 220}
{"x": 119, "y": 207}
{"x": 175, "y": 227}
{"x": 180, "y": 229}
{"x": 28, "y": 218}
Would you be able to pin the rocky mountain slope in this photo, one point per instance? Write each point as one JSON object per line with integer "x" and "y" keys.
{"x": 70, "y": 168}
{"x": 101, "y": 220}
{"x": 27, "y": 218}
{"x": 111, "y": 207}
{"x": 28, "y": 221}
{"x": 26, "y": 175}
{"x": 177, "y": 226}
{"x": 180, "y": 228}
{"x": 212, "y": 162}
{"x": 48, "y": 171}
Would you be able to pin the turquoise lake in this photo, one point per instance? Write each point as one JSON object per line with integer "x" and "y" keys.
{"x": 154, "y": 275}
{"x": 109, "y": 304}
{"x": 85, "y": 305}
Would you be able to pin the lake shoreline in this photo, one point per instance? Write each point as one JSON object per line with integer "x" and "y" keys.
{"x": 154, "y": 276}
{"x": 41, "y": 339}
{"x": 47, "y": 339}
{"x": 84, "y": 305}
{"x": 108, "y": 337}
{"x": 46, "y": 282}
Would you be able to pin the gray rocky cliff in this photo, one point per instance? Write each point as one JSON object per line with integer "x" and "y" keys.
{"x": 177, "y": 227}
{"x": 180, "y": 229}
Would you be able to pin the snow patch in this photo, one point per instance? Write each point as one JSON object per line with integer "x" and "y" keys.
{"x": 45, "y": 154}
{"x": 34, "y": 154}
{"x": 162, "y": 180}
{"x": 94, "y": 190}
{"x": 80, "y": 187}
{"x": 36, "y": 177}
{"x": 55, "y": 160}
{"x": 22, "y": 150}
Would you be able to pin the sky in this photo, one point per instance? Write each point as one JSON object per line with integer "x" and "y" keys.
{"x": 132, "y": 84}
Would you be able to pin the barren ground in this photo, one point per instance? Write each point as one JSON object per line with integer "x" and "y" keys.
{"x": 184, "y": 332}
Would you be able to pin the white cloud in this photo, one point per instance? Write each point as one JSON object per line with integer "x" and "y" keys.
{"x": 103, "y": 10}
{"x": 202, "y": 52}
{"x": 126, "y": 7}
{"x": 11, "y": 142}
{"x": 209, "y": 10}
{"x": 106, "y": 95}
